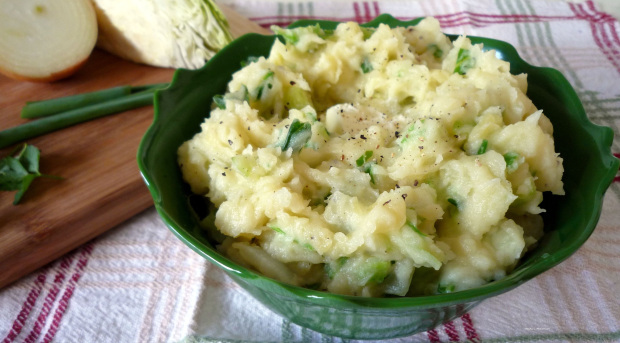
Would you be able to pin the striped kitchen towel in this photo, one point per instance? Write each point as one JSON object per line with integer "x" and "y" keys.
{"x": 138, "y": 283}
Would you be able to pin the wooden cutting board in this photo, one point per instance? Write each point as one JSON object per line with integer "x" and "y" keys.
{"x": 101, "y": 185}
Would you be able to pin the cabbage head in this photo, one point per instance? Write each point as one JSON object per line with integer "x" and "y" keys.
{"x": 162, "y": 33}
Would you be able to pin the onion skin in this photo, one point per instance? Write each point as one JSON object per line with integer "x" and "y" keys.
{"x": 45, "y": 41}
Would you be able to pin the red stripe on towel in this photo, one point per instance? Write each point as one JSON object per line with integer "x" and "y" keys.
{"x": 470, "y": 330}
{"x": 356, "y": 9}
{"x": 597, "y": 23}
{"x": 31, "y": 299}
{"x": 433, "y": 336}
{"x": 367, "y": 15}
{"x": 446, "y": 20}
{"x": 48, "y": 304}
{"x": 450, "y": 330}
{"x": 68, "y": 293}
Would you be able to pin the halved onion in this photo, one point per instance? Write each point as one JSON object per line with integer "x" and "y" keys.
{"x": 43, "y": 40}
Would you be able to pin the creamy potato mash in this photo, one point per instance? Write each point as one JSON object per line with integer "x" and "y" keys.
{"x": 375, "y": 162}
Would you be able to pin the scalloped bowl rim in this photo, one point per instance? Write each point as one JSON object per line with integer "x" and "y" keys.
{"x": 601, "y": 134}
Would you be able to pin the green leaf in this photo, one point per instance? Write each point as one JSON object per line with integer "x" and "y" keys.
{"x": 26, "y": 181}
{"x": 18, "y": 172}
{"x": 29, "y": 158}
{"x": 464, "y": 62}
{"x": 11, "y": 174}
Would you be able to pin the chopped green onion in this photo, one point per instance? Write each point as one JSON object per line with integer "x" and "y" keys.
{"x": 249, "y": 60}
{"x": 368, "y": 170}
{"x": 298, "y": 134}
{"x": 35, "y": 109}
{"x": 453, "y": 202}
{"x": 511, "y": 159}
{"x": 290, "y": 36}
{"x": 267, "y": 77}
{"x": 366, "y": 65}
{"x": 367, "y": 31}
{"x": 442, "y": 289}
{"x": 483, "y": 147}
{"x": 375, "y": 270}
{"x": 78, "y": 115}
{"x": 464, "y": 62}
{"x": 437, "y": 52}
{"x": 296, "y": 97}
{"x": 362, "y": 159}
{"x": 415, "y": 228}
{"x": 219, "y": 101}
{"x": 43, "y": 108}
{"x": 277, "y": 229}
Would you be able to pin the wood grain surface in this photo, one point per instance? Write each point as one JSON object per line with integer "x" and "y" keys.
{"x": 101, "y": 185}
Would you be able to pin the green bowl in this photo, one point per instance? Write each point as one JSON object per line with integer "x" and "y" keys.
{"x": 569, "y": 220}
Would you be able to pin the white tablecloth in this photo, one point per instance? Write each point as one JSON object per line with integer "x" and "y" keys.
{"x": 138, "y": 283}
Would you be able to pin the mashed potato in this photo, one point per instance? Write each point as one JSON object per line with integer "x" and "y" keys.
{"x": 375, "y": 162}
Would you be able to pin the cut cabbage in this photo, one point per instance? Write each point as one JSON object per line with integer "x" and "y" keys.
{"x": 162, "y": 33}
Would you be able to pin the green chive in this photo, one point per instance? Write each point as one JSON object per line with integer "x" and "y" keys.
{"x": 44, "y": 108}
{"x": 219, "y": 101}
{"x": 464, "y": 62}
{"x": 483, "y": 147}
{"x": 277, "y": 229}
{"x": 367, "y": 32}
{"x": 415, "y": 228}
{"x": 511, "y": 160}
{"x": 445, "y": 289}
{"x": 362, "y": 159}
{"x": 366, "y": 65}
{"x": 61, "y": 120}
{"x": 437, "y": 52}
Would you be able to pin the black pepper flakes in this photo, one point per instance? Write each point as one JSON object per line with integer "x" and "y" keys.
{"x": 397, "y": 134}
{"x": 223, "y": 174}
{"x": 421, "y": 147}
{"x": 404, "y": 196}
{"x": 387, "y": 202}
{"x": 292, "y": 83}
{"x": 415, "y": 182}
{"x": 230, "y": 142}
{"x": 363, "y": 137}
